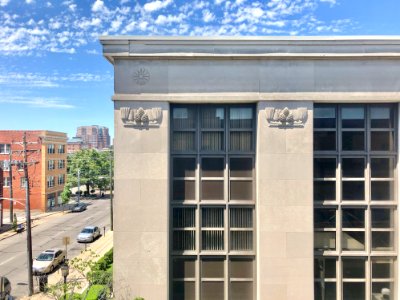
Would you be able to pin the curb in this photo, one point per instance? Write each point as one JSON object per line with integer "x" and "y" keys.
{"x": 11, "y": 232}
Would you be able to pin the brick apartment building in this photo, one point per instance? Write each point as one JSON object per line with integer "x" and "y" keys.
{"x": 94, "y": 136}
{"x": 1, "y": 197}
{"x": 47, "y": 168}
{"x": 74, "y": 144}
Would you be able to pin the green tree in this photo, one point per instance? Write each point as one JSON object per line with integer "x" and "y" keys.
{"x": 66, "y": 193}
{"x": 94, "y": 168}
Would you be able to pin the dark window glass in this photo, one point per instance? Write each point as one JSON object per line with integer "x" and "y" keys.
{"x": 324, "y": 190}
{"x": 325, "y": 290}
{"x": 382, "y": 268}
{"x": 325, "y": 268}
{"x": 241, "y": 141}
{"x": 353, "y": 240}
{"x": 183, "y": 141}
{"x": 381, "y": 190}
{"x": 212, "y": 141}
{"x": 383, "y": 290}
{"x": 324, "y": 117}
{"x": 324, "y": 218}
{"x": 353, "y": 141}
{"x": 184, "y": 217}
{"x": 184, "y": 290}
{"x": 212, "y": 240}
{"x": 353, "y": 167}
{"x": 241, "y": 290}
{"x": 241, "y": 240}
{"x": 353, "y": 268}
{"x": 324, "y": 141}
{"x": 353, "y": 218}
{"x": 382, "y": 140}
{"x": 324, "y": 167}
{"x": 212, "y": 217}
{"x": 184, "y": 167}
{"x": 184, "y": 268}
{"x": 212, "y": 167}
{"x": 382, "y": 240}
{"x": 241, "y": 268}
{"x": 212, "y": 290}
{"x": 212, "y": 117}
{"x": 212, "y": 190}
{"x": 382, "y": 167}
{"x": 212, "y": 268}
{"x": 183, "y": 190}
{"x": 353, "y": 190}
{"x": 382, "y": 117}
{"x": 184, "y": 118}
{"x": 353, "y": 117}
{"x": 241, "y": 217}
{"x": 354, "y": 290}
{"x": 241, "y": 190}
{"x": 324, "y": 240}
{"x": 241, "y": 167}
{"x": 241, "y": 117}
{"x": 381, "y": 218}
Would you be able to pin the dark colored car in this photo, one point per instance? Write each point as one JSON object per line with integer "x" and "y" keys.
{"x": 5, "y": 288}
{"x": 78, "y": 207}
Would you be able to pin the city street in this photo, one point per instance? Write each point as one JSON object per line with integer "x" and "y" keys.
{"x": 13, "y": 253}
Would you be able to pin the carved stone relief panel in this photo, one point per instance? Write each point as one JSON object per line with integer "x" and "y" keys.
{"x": 286, "y": 117}
{"x": 141, "y": 117}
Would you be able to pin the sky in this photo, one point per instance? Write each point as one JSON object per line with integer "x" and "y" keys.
{"x": 53, "y": 75}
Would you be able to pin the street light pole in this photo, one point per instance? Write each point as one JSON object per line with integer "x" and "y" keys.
{"x": 11, "y": 188}
{"x": 28, "y": 219}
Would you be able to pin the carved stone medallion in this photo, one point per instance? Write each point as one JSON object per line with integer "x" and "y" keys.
{"x": 141, "y": 76}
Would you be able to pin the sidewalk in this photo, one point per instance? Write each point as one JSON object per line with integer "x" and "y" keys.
{"x": 99, "y": 247}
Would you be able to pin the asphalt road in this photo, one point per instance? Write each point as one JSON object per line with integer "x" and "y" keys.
{"x": 13, "y": 253}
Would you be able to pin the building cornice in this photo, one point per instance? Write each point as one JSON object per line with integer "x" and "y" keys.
{"x": 154, "y": 48}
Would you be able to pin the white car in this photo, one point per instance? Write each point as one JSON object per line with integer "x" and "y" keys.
{"x": 47, "y": 261}
{"x": 88, "y": 234}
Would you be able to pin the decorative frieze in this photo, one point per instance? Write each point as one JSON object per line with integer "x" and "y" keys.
{"x": 140, "y": 116}
{"x": 286, "y": 117}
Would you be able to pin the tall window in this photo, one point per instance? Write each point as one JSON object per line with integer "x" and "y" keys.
{"x": 5, "y": 148}
{"x": 354, "y": 203}
{"x": 61, "y": 149}
{"x": 61, "y": 179}
{"x": 50, "y": 149}
{"x": 51, "y": 164}
{"x": 23, "y": 182}
{"x": 6, "y": 181}
{"x": 61, "y": 164}
{"x": 212, "y": 202}
{"x": 50, "y": 181}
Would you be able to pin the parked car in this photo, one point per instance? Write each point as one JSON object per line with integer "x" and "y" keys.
{"x": 48, "y": 260}
{"x": 78, "y": 207}
{"x": 5, "y": 288}
{"x": 88, "y": 234}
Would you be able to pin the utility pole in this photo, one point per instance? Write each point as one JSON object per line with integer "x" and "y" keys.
{"x": 28, "y": 218}
{"x": 111, "y": 192}
{"x": 79, "y": 184}
{"x": 11, "y": 188}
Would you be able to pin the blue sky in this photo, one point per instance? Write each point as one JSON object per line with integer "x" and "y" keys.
{"x": 52, "y": 73}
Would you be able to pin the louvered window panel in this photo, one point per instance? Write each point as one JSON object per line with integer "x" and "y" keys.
{"x": 184, "y": 236}
{"x": 212, "y": 236}
{"x": 241, "y": 220}
{"x": 184, "y": 240}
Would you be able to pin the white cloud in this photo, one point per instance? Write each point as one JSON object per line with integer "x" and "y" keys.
{"x": 331, "y": 2}
{"x": 48, "y": 4}
{"x": 208, "y": 16}
{"x": 156, "y": 5}
{"x": 98, "y": 6}
{"x": 4, "y": 2}
{"x": 92, "y": 51}
{"x": 143, "y": 25}
{"x": 29, "y": 1}
{"x": 72, "y": 7}
{"x": 218, "y": 2}
{"x": 116, "y": 24}
{"x": 37, "y": 102}
{"x": 161, "y": 19}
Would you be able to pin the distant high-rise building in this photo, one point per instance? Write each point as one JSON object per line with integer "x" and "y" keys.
{"x": 94, "y": 136}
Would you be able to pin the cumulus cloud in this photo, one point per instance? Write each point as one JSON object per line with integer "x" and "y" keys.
{"x": 4, "y": 2}
{"x": 156, "y": 5}
{"x": 39, "y": 102}
{"x": 208, "y": 16}
{"x": 98, "y": 6}
{"x": 331, "y": 2}
{"x": 162, "y": 19}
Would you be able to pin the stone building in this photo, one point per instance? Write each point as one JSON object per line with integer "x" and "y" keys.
{"x": 94, "y": 136}
{"x": 256, "y": 167}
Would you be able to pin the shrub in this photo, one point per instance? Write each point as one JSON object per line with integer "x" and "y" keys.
{"x": 15, "y": 222}
{"x": 96, "y": 292}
